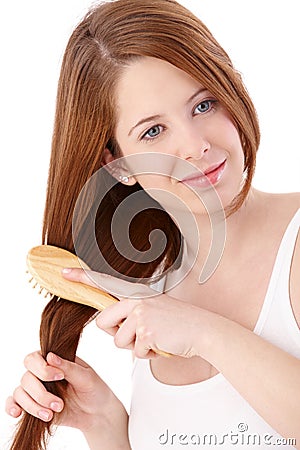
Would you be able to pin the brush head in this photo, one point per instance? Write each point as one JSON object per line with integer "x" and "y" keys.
{"x": 45, "y": 264}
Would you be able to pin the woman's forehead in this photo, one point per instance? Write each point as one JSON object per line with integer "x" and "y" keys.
{"x": 146, "y": 85}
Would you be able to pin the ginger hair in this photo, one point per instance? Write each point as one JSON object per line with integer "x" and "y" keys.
{"x": 110, "y": 37}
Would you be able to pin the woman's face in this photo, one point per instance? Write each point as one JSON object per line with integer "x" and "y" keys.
{"x": 162, "y": 110}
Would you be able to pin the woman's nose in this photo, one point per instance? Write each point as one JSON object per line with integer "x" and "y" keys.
{"x": 193, "y": 145}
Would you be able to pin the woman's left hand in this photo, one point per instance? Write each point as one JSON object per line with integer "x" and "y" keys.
{"x": 144, "y": 320}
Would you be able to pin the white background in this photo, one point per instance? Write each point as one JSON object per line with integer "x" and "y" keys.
{"x": 262, "y": 38}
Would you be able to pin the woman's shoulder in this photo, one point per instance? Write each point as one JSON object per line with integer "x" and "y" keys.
{"x": 273, "y": 212}
{"x": 283, "y": 205}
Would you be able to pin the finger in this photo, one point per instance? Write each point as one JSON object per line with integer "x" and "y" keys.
{"x": 80, "y": 376}
{"x": 37, "y": 391}
{"x": 80, "y": 276}
{"x": 82, "y": 363}
{"x": 112, "y": 316}
{"x": 112, "y": 285}
{"x": 36, "y": 364}
{"x": 145, "y": 353}
{"x": 143, "y": 348}
{"x": 109, "y": 330}
{"x": 98, "y": 280}
{"x": 12, "y": 408}
{"x": 23, "y": 399}
{"x": 126, "y": 334}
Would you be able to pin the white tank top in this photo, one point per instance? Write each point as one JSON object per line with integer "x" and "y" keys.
{"x": 212, "y": 413}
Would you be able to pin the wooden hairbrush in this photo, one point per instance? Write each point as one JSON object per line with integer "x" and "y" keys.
{"x": 45, "y": 264}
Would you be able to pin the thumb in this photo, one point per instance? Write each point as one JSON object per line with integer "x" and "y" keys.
{"x": 74, "y": 372}
{"x": 110, "y": 284}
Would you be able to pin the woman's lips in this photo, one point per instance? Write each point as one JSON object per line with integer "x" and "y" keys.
{"x": 207, "y": 178}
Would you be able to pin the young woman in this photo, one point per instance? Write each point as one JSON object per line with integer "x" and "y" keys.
{"x": 146, "y": 81}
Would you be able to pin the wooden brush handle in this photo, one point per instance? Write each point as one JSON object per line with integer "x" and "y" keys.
{"x": 45, "y": 264}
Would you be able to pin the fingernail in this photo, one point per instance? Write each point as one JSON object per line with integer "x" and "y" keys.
{"x": 56, "y": 406}
{"x": 56, "y": 360}
{"x": 67, "y": 270}
{"x": 44, "y": 415}
{"x": 13, "y": 412}
{"x": 59, "y": 376}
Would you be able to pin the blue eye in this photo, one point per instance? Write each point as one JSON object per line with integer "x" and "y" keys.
{"x": 204, "y": 106}
{"x": 153, "y": 132}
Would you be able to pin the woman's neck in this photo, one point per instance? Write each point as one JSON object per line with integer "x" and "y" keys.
{"x": 205, "y": 245}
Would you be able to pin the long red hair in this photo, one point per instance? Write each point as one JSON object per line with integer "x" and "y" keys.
{"x": 111, "y": 36}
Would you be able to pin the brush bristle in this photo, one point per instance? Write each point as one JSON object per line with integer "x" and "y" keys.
{"x": 41, "y": 289}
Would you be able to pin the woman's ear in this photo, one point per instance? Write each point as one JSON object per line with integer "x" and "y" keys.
{"x": 116, "y": 170}
{"x": 107, "y": 157}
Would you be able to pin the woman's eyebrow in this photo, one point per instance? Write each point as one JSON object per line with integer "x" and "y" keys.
{"x": 157, "y": 116}
{"x": 198, "y": 92}
{"x": 146, "y": 119}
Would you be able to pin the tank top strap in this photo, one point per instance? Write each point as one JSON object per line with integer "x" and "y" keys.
{"x": 278, "y": 289}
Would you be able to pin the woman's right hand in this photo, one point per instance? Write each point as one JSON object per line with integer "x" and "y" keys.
{"x": 89, "y": 400}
